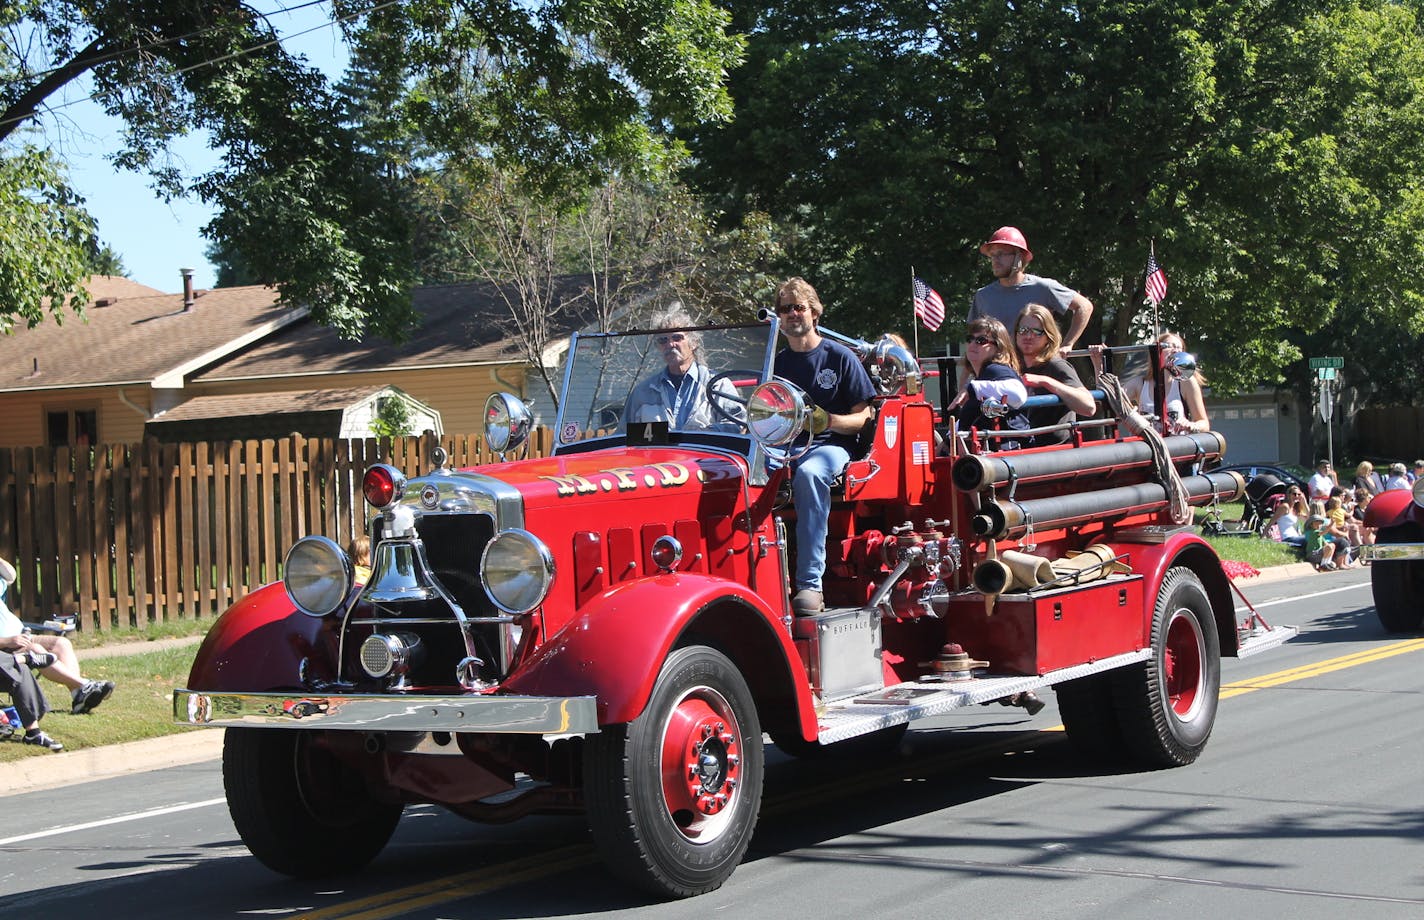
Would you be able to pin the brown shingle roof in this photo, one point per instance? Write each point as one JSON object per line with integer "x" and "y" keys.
{"x": 461, "y": 324}
{"x": 104, "y": 287}
{"x": 136, "y": 340}
{"x": 282, "y": 403}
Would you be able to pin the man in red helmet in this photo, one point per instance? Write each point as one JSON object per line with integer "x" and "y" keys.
{"x": 1013, "y": 288}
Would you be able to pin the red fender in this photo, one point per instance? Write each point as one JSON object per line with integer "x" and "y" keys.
{"x": 616, "y": 647}
{"x": 1152, "y": 560}
{"x": 258, "y": 644}
{"x": 1392, "y": 508}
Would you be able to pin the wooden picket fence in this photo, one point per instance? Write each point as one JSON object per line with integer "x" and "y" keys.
{"x": 128, "y": 534}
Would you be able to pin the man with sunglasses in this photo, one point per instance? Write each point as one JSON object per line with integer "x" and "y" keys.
{"x": 833, "y": 379}
{"x": 1013, "y": 288}
{"x": 677, "y": 394}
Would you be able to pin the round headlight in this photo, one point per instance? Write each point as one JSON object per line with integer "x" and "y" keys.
{"x": 507, "y": 422}
{"x": 318, "y": 575}
{"x": 776, "y": 413}
{"x": 517, "y": 569}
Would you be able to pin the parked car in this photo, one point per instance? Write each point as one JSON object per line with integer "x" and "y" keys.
{"x": 1289, "y": 473}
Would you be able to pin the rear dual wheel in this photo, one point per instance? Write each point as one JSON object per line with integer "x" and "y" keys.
{"x": 1166, "y": 707}
{"x": 673, "y": 796}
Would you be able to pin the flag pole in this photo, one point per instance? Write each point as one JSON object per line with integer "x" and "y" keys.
{"x": 1152, "y": 256}
{"x": 913, "y": 324}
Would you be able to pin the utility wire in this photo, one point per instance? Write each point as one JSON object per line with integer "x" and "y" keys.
{"x": 242, "y": 52}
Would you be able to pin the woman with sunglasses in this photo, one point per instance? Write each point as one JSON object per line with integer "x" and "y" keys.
{"x": 991, "y": 369}
{"x": 1037, "y": 339}
{"x": 1184, "y": 405}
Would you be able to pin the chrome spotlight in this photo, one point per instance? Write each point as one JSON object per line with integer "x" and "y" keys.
{"x": 390, "y": 655}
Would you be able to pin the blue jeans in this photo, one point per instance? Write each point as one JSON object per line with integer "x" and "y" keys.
{"x": 811, "y": 490}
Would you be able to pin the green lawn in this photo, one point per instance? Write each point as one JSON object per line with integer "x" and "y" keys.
{"x": 141, "y": 706}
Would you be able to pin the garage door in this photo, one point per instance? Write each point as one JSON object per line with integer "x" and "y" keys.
{"x": 1252, "y": 431}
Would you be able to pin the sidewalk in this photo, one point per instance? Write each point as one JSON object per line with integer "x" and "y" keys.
{"x": 35, "y": 773}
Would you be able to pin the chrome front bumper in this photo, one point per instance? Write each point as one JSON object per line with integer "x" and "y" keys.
{"x": 1392, "y": 552}
{"x": 527, "y": 715}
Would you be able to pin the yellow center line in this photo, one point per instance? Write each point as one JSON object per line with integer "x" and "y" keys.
{"x": 1236, "y": 688}
{"x": 454, "y": 887}
{"x": 490, "y": 878}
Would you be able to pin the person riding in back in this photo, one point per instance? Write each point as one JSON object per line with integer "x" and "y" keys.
{"x": 1038, "y": 341}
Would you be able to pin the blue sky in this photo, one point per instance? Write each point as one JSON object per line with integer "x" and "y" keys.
{"x": 154, "y": 238}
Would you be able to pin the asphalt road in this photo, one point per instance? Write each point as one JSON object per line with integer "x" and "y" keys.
{"x": 1306, "y": 804}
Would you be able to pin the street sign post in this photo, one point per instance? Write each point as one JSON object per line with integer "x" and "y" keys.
{"x": 1326, "y": 370}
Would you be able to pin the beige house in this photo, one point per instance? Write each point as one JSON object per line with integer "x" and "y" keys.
{"x": 142, "y": 354}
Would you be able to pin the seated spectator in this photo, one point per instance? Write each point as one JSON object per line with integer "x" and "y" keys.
{"x": 1319, "y": 486}
{"x": 360, "y": 553}
{"x": 52, "y": 656}
{"x": 1342, "y": 543}
{"x": 1398, "y": 478}
{"x": 1342, "y": 525}
{"x": 29, "y": 702}
{"x": 1417, "y": 473}
{"x": 1357, "y": 513}
{"x": 1319, "y": 550}
{"x": 1286, "y": 520}
{"x": 1366, "y": 478}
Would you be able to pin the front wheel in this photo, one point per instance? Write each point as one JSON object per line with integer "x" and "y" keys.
{"x": 300, "y": 810}
{"x": 673, "y": 796}
{"x": 1399, "y": 598}
{"x": 1166, "y": 707}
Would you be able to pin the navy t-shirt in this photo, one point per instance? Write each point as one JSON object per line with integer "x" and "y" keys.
{"x": 832, "y": 377}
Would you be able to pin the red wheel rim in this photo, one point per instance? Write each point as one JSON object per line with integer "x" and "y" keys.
{"x": 701, "y": 764}
{"x": 1182, "y": 665}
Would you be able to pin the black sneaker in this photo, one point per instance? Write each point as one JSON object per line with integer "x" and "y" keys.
{"x": 89, "y": 695}
{"x": 40, "y": 739}
{"x": 41, "y": 659}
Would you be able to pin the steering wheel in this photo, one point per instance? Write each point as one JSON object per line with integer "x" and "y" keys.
{"x": 727, "y": 407}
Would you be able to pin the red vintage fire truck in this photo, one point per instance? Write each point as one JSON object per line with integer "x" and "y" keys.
{"x": 607, "y": 630}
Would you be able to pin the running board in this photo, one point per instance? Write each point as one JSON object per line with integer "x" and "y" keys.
{"x": 1265, "y": 640}
{"x": 901, "y": 703}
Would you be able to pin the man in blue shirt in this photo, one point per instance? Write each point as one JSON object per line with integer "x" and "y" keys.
{"x": 835, "y": 380}
{"x": 1013, "y": 288}
{"x": 677, "y": 394}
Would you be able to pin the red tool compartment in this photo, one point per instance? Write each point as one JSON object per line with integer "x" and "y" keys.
{"x": 1041, "y": 631}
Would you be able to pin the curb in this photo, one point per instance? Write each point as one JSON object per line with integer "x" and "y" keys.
{"x": 1279, "y": 573}
{"x": 33, "y": 774}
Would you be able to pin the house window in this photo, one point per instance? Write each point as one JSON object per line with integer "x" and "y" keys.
{"x": 72, "y": 427}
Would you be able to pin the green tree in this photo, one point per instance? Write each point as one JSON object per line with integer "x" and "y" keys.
{"x": 1272, "y": 151}
{"x": 392, "y": 418}
{"x": 304, "y": 200}
{"x": 46, "y": 238}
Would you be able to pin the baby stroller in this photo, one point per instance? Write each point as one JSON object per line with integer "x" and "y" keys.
{"x": 1263, "y": 493}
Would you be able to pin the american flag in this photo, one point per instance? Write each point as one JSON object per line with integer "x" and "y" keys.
{"x": 1156, "y": 283}
{"x": 928, "y": 305}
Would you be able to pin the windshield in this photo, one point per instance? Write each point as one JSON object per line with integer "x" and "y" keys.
{"x": 691, "y": 380}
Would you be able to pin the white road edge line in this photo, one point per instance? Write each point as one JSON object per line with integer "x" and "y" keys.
{"x": 1303, "y": 597}
{"x": 54, "y": 832}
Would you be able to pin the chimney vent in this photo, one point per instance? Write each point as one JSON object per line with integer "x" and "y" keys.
{"x": 188, "y": 298}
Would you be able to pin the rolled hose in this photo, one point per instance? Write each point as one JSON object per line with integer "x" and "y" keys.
{"x": 999, "y": 519}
